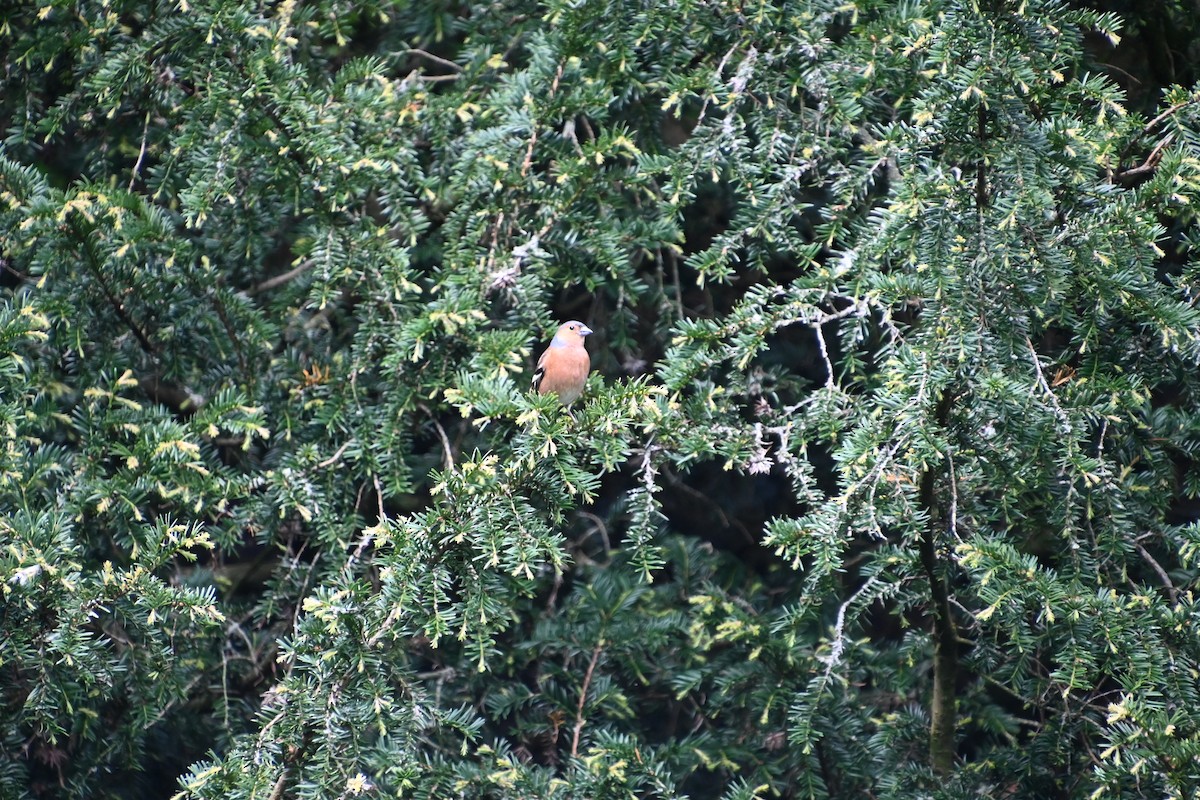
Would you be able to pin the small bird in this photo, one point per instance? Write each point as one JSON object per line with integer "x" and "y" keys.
{"x": 564, "y": 367}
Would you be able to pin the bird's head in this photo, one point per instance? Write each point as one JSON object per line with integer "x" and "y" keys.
{"x": 570, "y": 333}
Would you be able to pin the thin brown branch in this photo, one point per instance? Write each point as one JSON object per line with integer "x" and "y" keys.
{"x": 333, "y": 459}
{"x": 447, "y": 451}
{"x": 1148, "y": 165}
{"x": 529, "y": 152}
{"x": 598, "y": 527}
{"x": 445, "y": 62}
{"x": 379, "y": 496}
{"x": 280, "y": 784}
{"x": 385, "y": 628}
{"x": 364, "y": 542}
{"x": 1162, "y": 573}
{"x": 587, "y": 682}
{"x": 1135, "y": 175}
{"x": 552, "y": 600}
{"x": 279, "y": 280}
{"x": 1164, "y": 116}
{"x": 137, "y": 165}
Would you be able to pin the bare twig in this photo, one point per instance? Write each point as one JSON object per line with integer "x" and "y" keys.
{"x": 262, "y": 734}
{"x": 333, "y": 459}
{"x": 552, "y": 600}
{"x": 443, "y": 674}
{"x": 378, "y": 496}
{"x": 717, "y": 79}
{"x": 1147, "y": 167}
{"x": 600, "y": 528}
{"x": 385, "y": 627}
{"x": 1045, "y": 386}
{"x": 1151, "y": 161}
{"x": 280, "y": 784}
{"x": 137, "y": 165}
{"x": 587, "y": 682}
{"x": 367, "y": 537}
{"x": 447, "y": 451}
{"x": 1162, "y": 573}
{"x": 953, "y": 496}
{"x": 445, "y": 62}
{"x": 838, "y": 644}
{"x": 529, "y": 151}
{"x": 587, "y": 126}
{"x": 1170, "y": 112}
{"x": 279, "y": 280}
{"x": 824, "y": 355}
{"x": 362, "y": 487}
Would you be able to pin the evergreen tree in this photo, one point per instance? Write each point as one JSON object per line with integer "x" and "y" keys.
{"x": 883, "y": 485}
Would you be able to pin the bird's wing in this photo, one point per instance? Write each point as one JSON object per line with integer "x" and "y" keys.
{"x": 540, "y": 370}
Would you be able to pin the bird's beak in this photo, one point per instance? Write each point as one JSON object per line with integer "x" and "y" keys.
{"x": 584, "y": 330}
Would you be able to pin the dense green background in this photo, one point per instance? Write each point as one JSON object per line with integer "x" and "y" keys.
{"x": 883, "y": 485}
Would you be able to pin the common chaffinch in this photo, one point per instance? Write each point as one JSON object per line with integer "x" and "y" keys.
{"x": 564, "y": 367}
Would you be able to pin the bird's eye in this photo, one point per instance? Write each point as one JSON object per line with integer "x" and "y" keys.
{"x": 572, "y": 327}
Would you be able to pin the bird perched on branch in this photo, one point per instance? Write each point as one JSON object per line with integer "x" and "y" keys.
{"x": 563, "y": 368}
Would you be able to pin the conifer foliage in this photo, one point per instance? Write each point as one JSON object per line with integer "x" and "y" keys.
{"x": 883, "y": 485}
